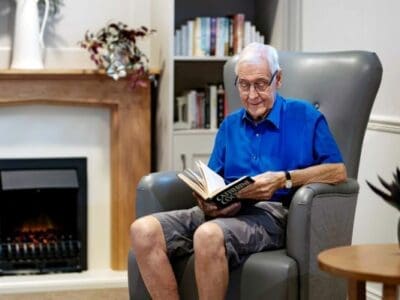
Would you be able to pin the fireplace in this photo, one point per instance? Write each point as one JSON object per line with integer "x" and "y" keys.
{"x": 43, "y": 215}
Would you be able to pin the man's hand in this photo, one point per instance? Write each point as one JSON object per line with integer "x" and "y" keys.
{"x": 264, "y": 186}
{"x": 211, "y": 209}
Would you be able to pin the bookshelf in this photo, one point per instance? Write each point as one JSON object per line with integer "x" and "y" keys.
{"x": 183, "y": 73}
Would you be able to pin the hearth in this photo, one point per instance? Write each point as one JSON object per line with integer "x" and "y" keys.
{"x": 43, "y": 215}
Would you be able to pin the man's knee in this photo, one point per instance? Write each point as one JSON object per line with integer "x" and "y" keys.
{"x": 146, "y": 233}
{"x": 209, "y": 239}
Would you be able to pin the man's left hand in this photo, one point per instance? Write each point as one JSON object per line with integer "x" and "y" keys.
{"x": 211, "y": 209}
{"x": 264, "y": 186}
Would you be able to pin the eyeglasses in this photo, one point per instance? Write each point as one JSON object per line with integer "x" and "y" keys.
{"x": 260, "y": 85}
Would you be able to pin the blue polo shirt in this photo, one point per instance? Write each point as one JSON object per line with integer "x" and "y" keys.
{"x": 294, "y": 135}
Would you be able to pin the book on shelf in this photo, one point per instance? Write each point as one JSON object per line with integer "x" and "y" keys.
{"x": 212, "y": 94}
{"x": 215, "y": 36}
{"x": 221, "y": 105}
{"x": 238, "y": 32}
{"x": 197, "y": 49}
{"x": 210, "y": 186}
{"x": 203, "y": 108}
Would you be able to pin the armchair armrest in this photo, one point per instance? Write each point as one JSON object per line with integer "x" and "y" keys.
{"x": 162, "y": 191}
{"x": 321, "y": 216}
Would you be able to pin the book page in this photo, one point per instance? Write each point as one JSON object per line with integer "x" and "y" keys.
{"x": 193, "y": 185}
{"x": 197, "y": 179}
{"x": 213, "y": 180}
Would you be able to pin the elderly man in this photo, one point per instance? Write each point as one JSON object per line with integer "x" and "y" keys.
{"x": 282, "y": 143}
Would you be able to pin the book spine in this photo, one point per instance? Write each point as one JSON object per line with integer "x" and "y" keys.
{"x": 205, "y": 35}
{"x": 230, "y": 36}
{"x": 238, "y": 29}
{"x": 226, "y": 35}
{"x": 198, "y": 51}
{"x": 191, "y": 100}
{"x": 184, "y": 38}
{"x": 221, "y": 104}
{"x": 247, "y": 33}
{"x": 177, "y": 42}
{"x": 190, "y": 25}
{"x": 213, "y": 107}
{"x": 213, "y": 36}
{"x": 207, "y": 108}
{"x": 199, "y": 109}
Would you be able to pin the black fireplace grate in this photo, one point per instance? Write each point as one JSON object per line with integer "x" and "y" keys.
{"x": 32, "y": 253}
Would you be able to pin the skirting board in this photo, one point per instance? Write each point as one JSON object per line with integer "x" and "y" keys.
{"x": 95, "y": 279}
{"x": 94, "y": 294}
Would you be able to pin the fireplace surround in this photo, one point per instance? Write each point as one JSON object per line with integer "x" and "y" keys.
{"x": 43, "y": 215}
{"x": 130, "y": 130}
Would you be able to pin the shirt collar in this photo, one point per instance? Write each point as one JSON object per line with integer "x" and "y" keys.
{"x": 272, "y": 117}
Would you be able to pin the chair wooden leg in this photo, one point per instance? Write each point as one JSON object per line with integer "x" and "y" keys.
{"x": 356, "y": 289}
{"x": 389, "y": 292}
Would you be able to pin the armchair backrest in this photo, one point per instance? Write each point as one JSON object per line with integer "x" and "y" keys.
{"x": 343, "y": 85}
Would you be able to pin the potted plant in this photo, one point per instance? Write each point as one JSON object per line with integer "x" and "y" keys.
{"x": 392, "y": 195}
{"x": 114, "y": 49}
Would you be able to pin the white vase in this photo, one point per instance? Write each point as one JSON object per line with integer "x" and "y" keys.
{"x": 28, "y": 46}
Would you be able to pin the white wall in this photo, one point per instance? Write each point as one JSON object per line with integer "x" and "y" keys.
{"x": 359, "y": 25}
{"x": 75, "y": 18}
{"x": 374, "y": 26}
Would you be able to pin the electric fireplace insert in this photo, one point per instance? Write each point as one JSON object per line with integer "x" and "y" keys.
{"x": 43, "y": 215}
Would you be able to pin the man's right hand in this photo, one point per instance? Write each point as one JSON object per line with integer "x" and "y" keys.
{"x": 211, "y": 209}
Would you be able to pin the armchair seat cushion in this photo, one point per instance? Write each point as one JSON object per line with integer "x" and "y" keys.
{"x": 264, "y": 275}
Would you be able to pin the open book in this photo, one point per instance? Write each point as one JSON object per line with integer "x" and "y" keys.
{"x": 211, "y": 186}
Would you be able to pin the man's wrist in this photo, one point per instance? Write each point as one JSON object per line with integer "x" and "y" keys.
{"x": 282, "y": 179}
{"x": 288, "y": 180}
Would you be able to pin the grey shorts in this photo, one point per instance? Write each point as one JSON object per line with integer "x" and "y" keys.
{"x": 255, "y": 228}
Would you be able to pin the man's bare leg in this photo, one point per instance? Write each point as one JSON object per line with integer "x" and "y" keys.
{"x": 211, "y": 264}
{"x": 149, "y": 247}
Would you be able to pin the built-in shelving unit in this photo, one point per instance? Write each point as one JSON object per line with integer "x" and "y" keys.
{"x": 182, "y": 73}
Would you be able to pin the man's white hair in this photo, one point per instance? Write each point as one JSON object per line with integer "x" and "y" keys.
{"x": 256, "y": 53}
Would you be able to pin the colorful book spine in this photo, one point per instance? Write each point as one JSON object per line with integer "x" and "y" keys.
{"x": 221, "y": 111}
{"x": 213, "y": 36}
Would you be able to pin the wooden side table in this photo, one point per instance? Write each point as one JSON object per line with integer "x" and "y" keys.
{"x": 361, "y": 263}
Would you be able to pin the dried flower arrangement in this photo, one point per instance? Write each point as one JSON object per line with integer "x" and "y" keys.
{"x": 114, "y": 49}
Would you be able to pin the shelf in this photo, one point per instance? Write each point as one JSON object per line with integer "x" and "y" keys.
{"x": 195, "y": 131}
{"x": 201, "y": 58}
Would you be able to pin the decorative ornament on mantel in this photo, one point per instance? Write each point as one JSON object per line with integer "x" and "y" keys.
{"x": 114, "y": 49}
{"x": 393, "y": 197}
{"x": 28, "y": 45}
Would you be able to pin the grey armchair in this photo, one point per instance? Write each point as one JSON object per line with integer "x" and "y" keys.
{"x": 343, "y": 85}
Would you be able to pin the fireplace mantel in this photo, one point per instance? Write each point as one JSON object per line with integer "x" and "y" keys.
{"x": 129, "y": 127}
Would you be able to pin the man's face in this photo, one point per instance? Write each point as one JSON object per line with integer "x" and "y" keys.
{"x": 257, "y": 97}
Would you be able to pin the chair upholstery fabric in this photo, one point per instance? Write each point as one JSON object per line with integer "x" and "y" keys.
{"x": 343, "y": 85}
